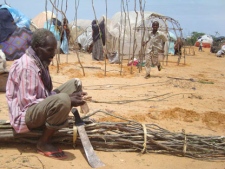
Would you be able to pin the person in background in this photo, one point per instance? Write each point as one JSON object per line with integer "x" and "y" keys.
{"x": 200, "y": 45}
{"x": 31, "y": 101}
{"x": 98, "y": 35}
{"x": 177, "y": 47}
{"x": 155, "y": 49}
{"x": 65, "y": 37}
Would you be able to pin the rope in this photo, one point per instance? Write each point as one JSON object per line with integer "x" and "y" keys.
{"x": 185, "y": 142}
{"x": 74, "y": 135}
{"x": 145, "y": 139}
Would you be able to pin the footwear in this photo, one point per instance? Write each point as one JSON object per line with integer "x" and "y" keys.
{"x": 55, "y": 154}
{"x": 159, "y": 67}
{"x": 147, "y": 76}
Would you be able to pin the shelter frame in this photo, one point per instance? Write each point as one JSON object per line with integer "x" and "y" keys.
{"x": 170, "y": 24}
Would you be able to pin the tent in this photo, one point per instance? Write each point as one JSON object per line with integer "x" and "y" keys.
{"x": 113, "y": 32}
{"x": 39, "y": 20}
{"x": 81, "y": 34}
{"x": 81, "y": 23}
{"x": 207, "y": 41}
{"x": 122, "y": 29}
{"x": 85, "y": 39}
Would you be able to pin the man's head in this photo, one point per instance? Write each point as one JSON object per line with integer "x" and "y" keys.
{"x": 155, "y": 26}
{"x": 44, "y": 44}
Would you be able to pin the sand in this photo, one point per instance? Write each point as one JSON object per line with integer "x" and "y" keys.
{"x": 187, "y": 96}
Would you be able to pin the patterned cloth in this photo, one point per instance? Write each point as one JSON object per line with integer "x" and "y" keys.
{"x": 16, "y": 44}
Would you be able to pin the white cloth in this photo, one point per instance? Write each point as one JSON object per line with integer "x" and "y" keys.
{"x": 2, "y": 62}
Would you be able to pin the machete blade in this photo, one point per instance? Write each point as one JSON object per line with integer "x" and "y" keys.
{"x": 92, "y": 158}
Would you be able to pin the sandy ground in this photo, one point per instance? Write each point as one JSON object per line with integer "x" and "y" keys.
{"x": 188, "y": 96}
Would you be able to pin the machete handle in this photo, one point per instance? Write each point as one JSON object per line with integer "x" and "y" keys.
{"x": 78, "y": 120}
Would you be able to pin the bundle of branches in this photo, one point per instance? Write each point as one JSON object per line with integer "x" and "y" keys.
{"x": 131, "y": 136}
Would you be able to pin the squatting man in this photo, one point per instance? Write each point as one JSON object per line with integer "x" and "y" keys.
{"x": 32, "y": 102}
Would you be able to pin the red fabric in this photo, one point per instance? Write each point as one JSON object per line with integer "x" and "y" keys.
{"x": 204, "y": 45}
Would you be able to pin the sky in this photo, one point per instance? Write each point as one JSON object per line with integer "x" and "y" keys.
{"x": 203, "y": 16}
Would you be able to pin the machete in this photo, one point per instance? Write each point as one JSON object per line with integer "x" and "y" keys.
{"x": 92, "y": 158}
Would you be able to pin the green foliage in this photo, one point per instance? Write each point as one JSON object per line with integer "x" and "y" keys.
{"x": 193, "y": 38}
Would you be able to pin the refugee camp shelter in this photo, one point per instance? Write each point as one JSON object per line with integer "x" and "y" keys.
{"x": 39, "y": 20}
{"x": 207, "y": 41}
{"x": 81, "y": 33}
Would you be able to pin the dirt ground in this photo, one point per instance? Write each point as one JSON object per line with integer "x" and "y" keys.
{"x": 187, "y": 96}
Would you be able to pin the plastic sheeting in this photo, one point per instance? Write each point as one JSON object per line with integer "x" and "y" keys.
{"x": 121, "y": 25}
{"x": 48, "y": 25}
{"x": 64, "y": 45}
{"x": 171, "y": 40}
{"x": 19, "y": 18}
{"x": 85, "y": 39}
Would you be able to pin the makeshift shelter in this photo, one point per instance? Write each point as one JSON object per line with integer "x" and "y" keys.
{"x": 85, "y": 39}
{"x": 207, "y": 41}
{"x": 221, "y": 52}
{"x": 81, "y": 33}
{"x": 15, "y": 35}
{"x": 81, "y": 23}
{"x": 39, "y": 20}
{"x": 128, "y": 30}
{"x": 125, "y": 30}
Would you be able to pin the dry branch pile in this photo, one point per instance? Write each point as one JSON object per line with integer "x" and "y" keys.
{"x": 131, "y": 136}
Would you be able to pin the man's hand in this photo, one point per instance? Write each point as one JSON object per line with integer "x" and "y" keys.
{"x": 77, "y": 99}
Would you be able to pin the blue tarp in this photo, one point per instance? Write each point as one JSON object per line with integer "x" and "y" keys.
{"x": 50, "y": 26}
{"x": 172, "y": 40}
{"x": 19, "y": 18}
{"x": 64, "y": 45}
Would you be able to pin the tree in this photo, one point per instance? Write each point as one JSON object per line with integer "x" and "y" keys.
{"x": 193, "y": 38}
